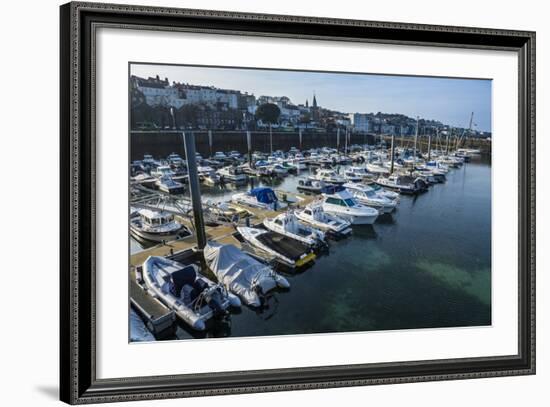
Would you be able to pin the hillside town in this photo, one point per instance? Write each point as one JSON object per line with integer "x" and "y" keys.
{"x": 160, "y": 104}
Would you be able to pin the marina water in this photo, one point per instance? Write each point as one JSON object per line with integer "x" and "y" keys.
{"x": 427, "y": 265}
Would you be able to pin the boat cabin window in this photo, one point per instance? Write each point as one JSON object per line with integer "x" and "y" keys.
{"x": 370, "y": 193}
{"x": 335, "y": 201}
{"x": 349, "y": 202}
{"x": 278, "y": 221}
{"x": 307, "y": 212}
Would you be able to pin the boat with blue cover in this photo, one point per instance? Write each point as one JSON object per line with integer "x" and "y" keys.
{"x": 261, "y": 197}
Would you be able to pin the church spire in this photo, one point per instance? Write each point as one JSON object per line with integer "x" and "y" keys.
{"x": 307, "y": 103}
{"x": 314, "y": 100}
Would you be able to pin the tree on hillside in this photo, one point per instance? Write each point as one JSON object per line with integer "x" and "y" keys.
{"x": 268, "y": 113}
{"x": 305, "y": 118}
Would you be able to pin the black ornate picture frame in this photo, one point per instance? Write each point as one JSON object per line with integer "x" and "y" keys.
{"x": 78, "y": 380}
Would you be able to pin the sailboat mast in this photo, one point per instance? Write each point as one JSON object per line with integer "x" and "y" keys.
{"x": 430, "y": 143}
{"x": 447, "y": 144}
{"x": 415, "y": 138}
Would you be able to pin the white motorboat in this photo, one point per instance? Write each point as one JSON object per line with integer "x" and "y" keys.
{"x": 287, "y": 224}
{"x": 468, "y": 152}
{"x": 392, "y": 195}
{"x": 242, "y": 274}
{"x": 194, "y": 298}
{"x": 143, "y": 179}
{"x": 285, "y": 250}
{"x": 453, "y": 162}
{"x": 329, "y": 176}
{"x": 342, "y": 204}
{"x": 355, "y": 174}
{"x": 163, "y": 171}
{"x": 175, "y": 159}
{"x": 400, "y": 183}
{"x": 299, "y": 164}
{"x": 311, "y": 185}
{"x": 223, "y": 211}
{"x": 437, "y": 166}
{"x": 367, "y": 196}
{"x": 278, "y": 169}
{"x": 428, "y": 175}
{"x": 149, "y": 161}
{"x": 263, "y": 198}
{"x": 235, "y": 155}
{"x": 290, "y": 166}
{"x": 208, "y": 175}
{"x": 299, "y": 156}
{"x": 314, "y": 215}
{"x": 219, "y": 156}
{"x": 377, "y": 168}
{"x": 168, "y": 185}
{"x": 156, "y": 226}
{"x": 233, "y": 174}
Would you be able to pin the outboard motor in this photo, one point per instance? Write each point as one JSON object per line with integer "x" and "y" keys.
{"x": 215, "y": 301}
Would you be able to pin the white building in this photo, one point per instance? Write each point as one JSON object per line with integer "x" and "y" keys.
{"x": 359, "y": 121}
{"x": 159, "y": 92}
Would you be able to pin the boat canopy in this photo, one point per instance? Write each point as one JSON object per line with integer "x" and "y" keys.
{"x": 239, "y": 272}
{"x": 150, "y": 214}
{"x": 264, "y": 195}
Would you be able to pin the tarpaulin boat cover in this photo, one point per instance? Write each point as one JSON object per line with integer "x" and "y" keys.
{"x": 264, "y": 195}
{"x": 241, "y": 274}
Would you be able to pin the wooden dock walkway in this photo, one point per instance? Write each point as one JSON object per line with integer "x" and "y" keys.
{"x": 157, "y": 317}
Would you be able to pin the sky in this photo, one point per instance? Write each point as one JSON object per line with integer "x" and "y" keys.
{"x": 448, "y": 100}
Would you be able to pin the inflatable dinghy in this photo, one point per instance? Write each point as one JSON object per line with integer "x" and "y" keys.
{"x": 194, "y": 298}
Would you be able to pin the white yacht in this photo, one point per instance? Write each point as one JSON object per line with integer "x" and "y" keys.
{"x": 367, "y": 196}
{"x": 175, "y": 159}
{"x": 219, "y": 156}
{"x": 400, "y": 183}
{"x": 314, "y": 215}
{"x": 342, "y": 204}
{"x": 329, "y": 176}
{"x": 149, "y": 160}
{"x": 437, "y": 166}
{"x": 392, "y": 195}
{"x": 287, "y": 224}
{"x": 277, "y": 169}
{"x": 233, "y": 174}
{"x": 156, "y": 226}
{"x": 168, "y": 185}
{"x": 299, "y": 156}
{"x": 143, "y": 179}
{"x": 208, "y": 175}
{"x": 163, "y": 170}
{"x": 453, "y": 162}
{"x": 377, "y": 167}
{"x": 355, "y": 174}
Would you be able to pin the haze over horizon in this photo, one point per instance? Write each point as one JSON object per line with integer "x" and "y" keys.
{"x": 448, "y": 100}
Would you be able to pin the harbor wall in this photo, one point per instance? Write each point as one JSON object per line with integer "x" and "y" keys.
{"x": 161, "y": 144}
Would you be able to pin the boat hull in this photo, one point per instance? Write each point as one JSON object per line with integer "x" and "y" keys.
{"x": 157, "y": 236}
{"x": 359, "y": 220}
